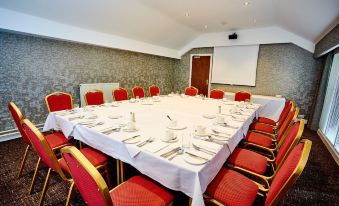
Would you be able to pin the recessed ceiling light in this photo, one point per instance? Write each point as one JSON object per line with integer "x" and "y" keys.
{"x": 246, "y": 3}
{"x": 187, "y": 14}
{"x": 205, "y": 26}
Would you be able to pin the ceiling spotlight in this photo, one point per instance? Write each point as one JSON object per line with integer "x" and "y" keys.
{"x": 205, "y": 26}
{"x": 246, "y": 3}
{"x": 187, "y": 14}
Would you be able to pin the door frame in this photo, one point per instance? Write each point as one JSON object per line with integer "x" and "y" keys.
{"x": 210, "y": 74}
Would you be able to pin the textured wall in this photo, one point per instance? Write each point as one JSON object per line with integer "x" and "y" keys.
{"x": 329, "y": 41}
{"x": 284, "y": 69}
{"x": 32, "y": 67}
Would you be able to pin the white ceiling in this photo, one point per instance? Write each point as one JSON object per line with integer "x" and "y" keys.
{"x": 163, "y": 22}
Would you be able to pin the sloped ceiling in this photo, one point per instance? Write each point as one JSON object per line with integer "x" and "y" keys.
{"x": 164, "y": 23}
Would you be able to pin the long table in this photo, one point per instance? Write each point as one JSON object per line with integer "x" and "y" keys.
{"x": 180, "y": 173}
{"x": 271, "y": 107}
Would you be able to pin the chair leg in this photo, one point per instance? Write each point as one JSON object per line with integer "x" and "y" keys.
{"x": 44, "y": 189}
{"x": 122, "y": 176}
{"x": 34, "y": 176}
{"x": 70, "y": 193}
{"x": 118, "y": 171}
{"x": 109, "y": 181}
{"x": 23, "y": 161}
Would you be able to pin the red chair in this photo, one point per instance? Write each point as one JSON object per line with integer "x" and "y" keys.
{"x": 191, "y": 91}
{"x": 59, "y": 166}
{"x": 232, "y": 188}
{"x": 94, "y": 97}
{"x": 250, "y": 162}
{"x": 154, "y": 91}
{"x": 93, "y": 189}
{"x": 59, "y": 101}
{"x": 120, "y": 94}
{"x": 138, "y": 92}
{"x": 268, "y": 140}
{"x": 288, "y": 106}
{"x": 242, "y": 96}
{"x": 216, "y": 94}
{"x": 55, "y": 140}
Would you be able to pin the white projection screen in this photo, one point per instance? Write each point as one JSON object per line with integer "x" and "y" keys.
{"x": 235, "y": 65}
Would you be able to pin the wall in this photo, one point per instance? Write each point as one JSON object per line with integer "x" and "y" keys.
{"x": 284, "y": 69}
{"x": 328, "y": 43}
{"x": 32, "y": 67}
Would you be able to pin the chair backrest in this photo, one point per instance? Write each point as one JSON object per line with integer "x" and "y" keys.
{"x": 216, "y": 94}
{"x": 95, "y": 97}
{"x": 191, "y": 91}
{"x": 120, "y": 94}
{"x": 18, "y": 117}
{"x": 292, "y": 115}
{"x": 138, "y": 92}
{"x": 242, "y": 96}
{"x": 288, "y": 172}
{"x": 88, "y": 180}
{"x": 289, "y": 106}
{"x": 153, "y": 90}
{"x": 42, "y": 147}
{"x": 291, "y": 139}
{"x": 59, "y": 101}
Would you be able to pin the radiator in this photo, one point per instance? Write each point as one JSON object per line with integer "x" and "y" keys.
{"x": 107, "y": 88}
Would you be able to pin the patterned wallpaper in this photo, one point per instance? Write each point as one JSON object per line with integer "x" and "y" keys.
{"x": 32, "y": 67}
{"x": 329, "y": 41}
{"x": 284, "y": 69}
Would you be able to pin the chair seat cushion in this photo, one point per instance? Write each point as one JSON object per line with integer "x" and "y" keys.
{"x": 266, "y": 120}
{"x": 95, "y": 157}
{"x": 249, "y": 160}
{"x": 232, "y": 188}
{"x": 56, "y": 139}
{"x": 259, "y": 139}
{"x": 140, "y": 191}
{"x": 262, "y": 127}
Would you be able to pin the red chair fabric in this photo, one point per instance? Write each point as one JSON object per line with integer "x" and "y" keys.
{"x": 266, "y": 121}
{"x": 154, "y": 90}
{"x": 17, "y": 117}
{"x": 191, "y": 91}
{"x": 232, "y": 188}
{"x": 138, "y": 92}
{"x": 59, "y": 101}
{"x": 216, "y": 94}
{"x": 141, "y": 191}
{"x": 242, "y": 96}
{"x": 120, "y": 94}
{"x": 259, "y": 139}
{"x": 249, "y": 160}
{"x": 262, "y": 127}
{"x": 56, "y": 140}
{"x": 283, "y": 115}
{"x": 94, "y": 97}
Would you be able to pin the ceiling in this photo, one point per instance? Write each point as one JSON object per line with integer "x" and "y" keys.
{"x": 164, "y": 22}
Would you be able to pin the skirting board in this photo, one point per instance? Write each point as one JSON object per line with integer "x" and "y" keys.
{"x": 329, "y": 146}
{"x": 6, "y": 136}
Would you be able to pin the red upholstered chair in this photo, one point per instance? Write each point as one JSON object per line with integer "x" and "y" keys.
{"x": 216, "y": 94}
{"x": 138, "y": 92}
{"x": 288, "y": 106}
{"x": 268, "y": 140}
{"x": 59, "y": 101}
{"x": 154, "y": 90}
{"x": 59, "y": 166}
{"x": 232, "y": 188}
{"x": 191, "y": 91}
{"x": 250, "y": 162}
{"x": 242, "y": 96}
{"x": 120, "y": 94}
{"x": 95, "y": 97}
{"x": 93, "y": 189}
{"x": 55, "y": 140}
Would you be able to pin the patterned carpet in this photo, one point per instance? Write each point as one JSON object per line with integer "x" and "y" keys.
{"x": 318, "y": 184}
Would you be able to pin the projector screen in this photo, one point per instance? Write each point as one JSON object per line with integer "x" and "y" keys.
{"x": 236, "y": 65}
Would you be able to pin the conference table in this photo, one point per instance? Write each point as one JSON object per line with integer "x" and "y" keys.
{"x": 271, "y": 107}
{"x": 206, "y": 133}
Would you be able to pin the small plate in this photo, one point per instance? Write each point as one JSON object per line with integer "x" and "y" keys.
{"x": 130, "y": 130}
{"x": 209, "y": 116}
{"x": 202, "y": 135}
{"x": 175, "y": 139}
{"x": 194, "y": 160}
{"x": 147, "y": 103}
{"x": 156, "y": 100}
{"x": 133, "y": 141}
{"x": 178, "y": 127}
{"x": 114, "y": 116}
{"x": 92, "y": 117}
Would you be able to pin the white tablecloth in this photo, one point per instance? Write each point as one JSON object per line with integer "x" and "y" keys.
{"x": 151, "y": 121}
{"x": 271, "y": 107}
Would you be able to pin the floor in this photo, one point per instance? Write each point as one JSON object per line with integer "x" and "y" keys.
{"x": 318, "y": 184}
